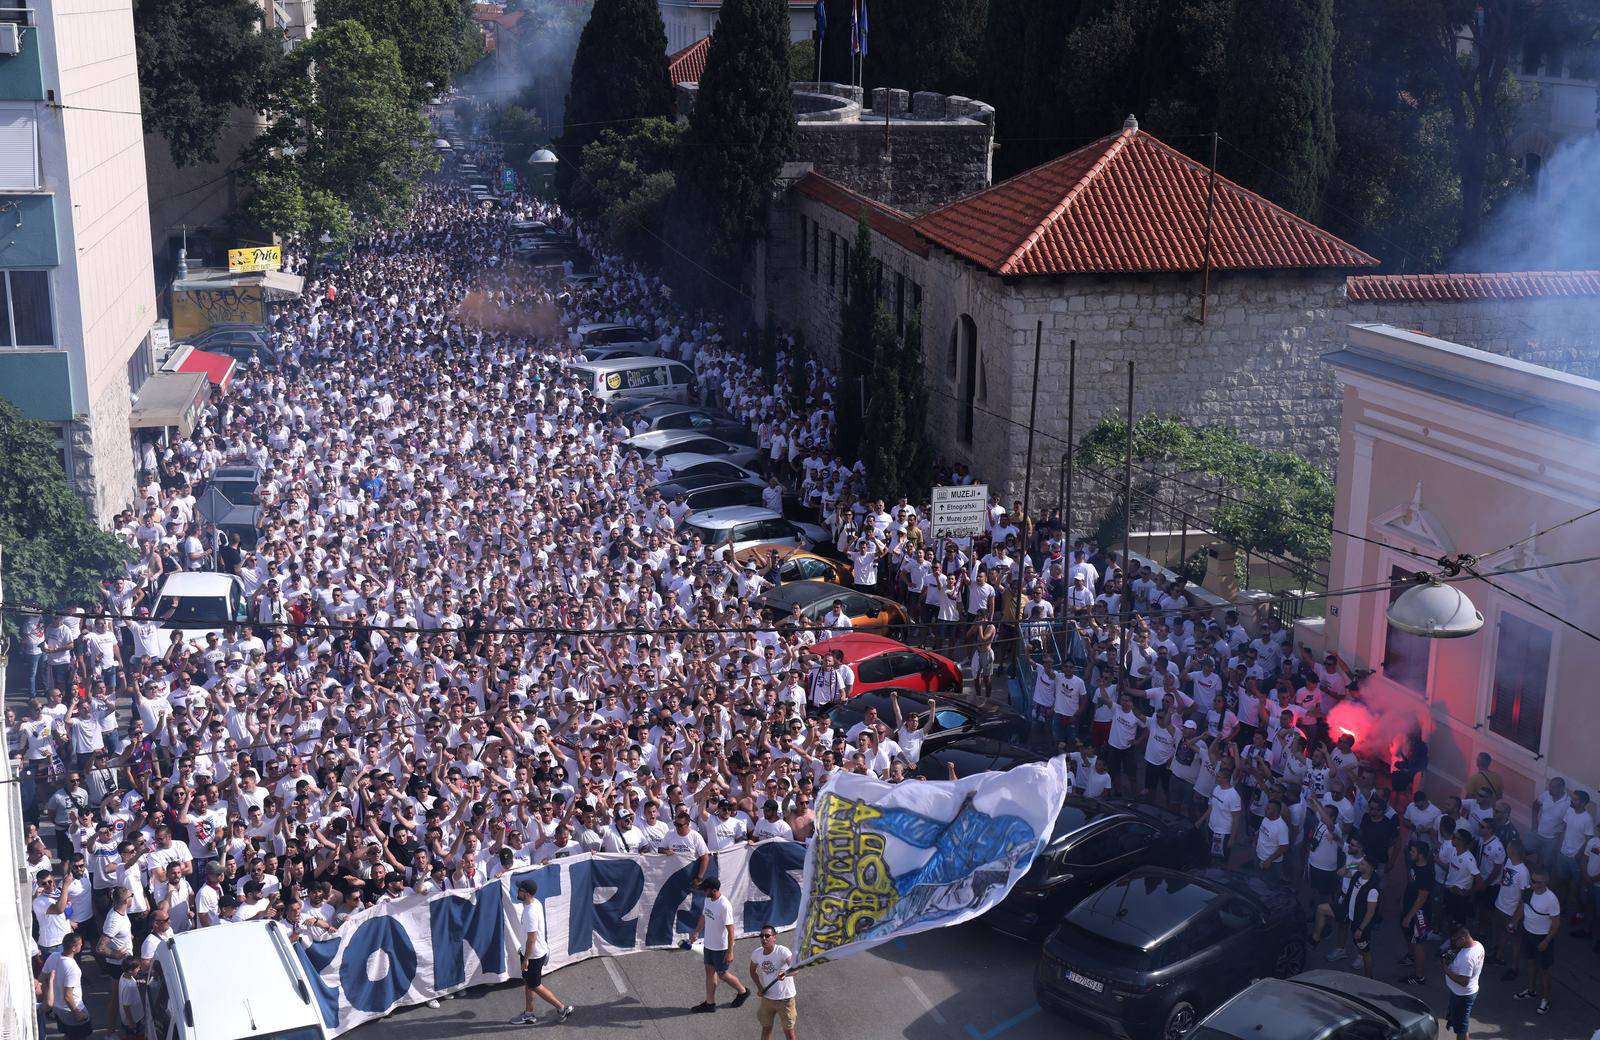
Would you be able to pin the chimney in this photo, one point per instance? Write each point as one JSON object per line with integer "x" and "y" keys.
{"x": 1130, "y": 123}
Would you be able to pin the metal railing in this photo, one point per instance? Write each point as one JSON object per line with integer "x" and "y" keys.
{"x": 11, "y": 14}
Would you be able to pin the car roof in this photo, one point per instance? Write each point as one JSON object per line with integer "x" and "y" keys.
{"x": 1147, "y": 906}
{"x": 758, "y": 552}
{"x": 727, "y": 516}
{"x": 853, "y": 645}
{"x": 197, "y": 583}
{"x": 685, "y": 459}
{"x": 1285, "y": 1010}
{"x": 212, "y": 961}
{"x": 691, "y": 482}
{"x": 652, "y": 440}
{"x": 803, "y": 593}
{"x": 623, "y": 364}
{"x": 598, "y": 326}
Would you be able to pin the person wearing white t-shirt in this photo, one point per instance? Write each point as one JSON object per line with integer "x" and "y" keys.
{"x": 1272, "y": 839}
{"x": 1514, "y": 880}
{"x": 1539, "y": 915}
{"x": 771, "y": 969}
{"x": 535, "y": 954}
{"x": 64, "y": 989}
{"x": 1463, "y": 965}
{"x": 1223, "y": 818}
{"x": 716, "y": 924}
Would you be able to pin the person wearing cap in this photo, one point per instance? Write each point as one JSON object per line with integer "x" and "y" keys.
{"x": 535, "y": 955}
{"x": 772, "y": 971}
{"x": 716, "y": 924}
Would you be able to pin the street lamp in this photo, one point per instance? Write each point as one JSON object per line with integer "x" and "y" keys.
{"x": 1434, "y": 609}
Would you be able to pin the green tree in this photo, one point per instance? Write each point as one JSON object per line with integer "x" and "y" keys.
{"x": 1277, "y": 100}
{"x": 885, "y": 447}
{"x": 54, "y": 554}
{"x": 856, "y": 343}
{"x": 437, "y": 39}
{"x": 348, "y": 145}
{"x": 626, "y": 181}
{"x": 924, "y": 44}
{"x": 1020, "y": 73}
{"x": 803, "y": 61}
{"x": 741, "y": 130}
{"x": 916, "y": 465}
{"x": 200, "y": 62}
{"x": 619, "y": 73}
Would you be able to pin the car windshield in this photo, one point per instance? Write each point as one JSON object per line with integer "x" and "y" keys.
{"x": 1069, "y": 819}
{"x": 179, "y": 611}
{"x": 705, "y": 534}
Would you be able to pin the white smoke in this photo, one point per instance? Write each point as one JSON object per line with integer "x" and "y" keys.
{"x": 1553, "y": 225}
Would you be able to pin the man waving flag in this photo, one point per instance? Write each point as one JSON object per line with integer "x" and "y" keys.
{"x": 889, "y": 860}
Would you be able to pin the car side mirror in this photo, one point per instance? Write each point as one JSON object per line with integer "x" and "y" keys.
{"x": 874, "y": 611}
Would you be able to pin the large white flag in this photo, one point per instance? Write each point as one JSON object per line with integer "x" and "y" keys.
{"x": 891, "y": 859}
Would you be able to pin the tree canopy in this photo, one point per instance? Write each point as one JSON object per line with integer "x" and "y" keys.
{"x": 200, "y": 63}
{"x": 619, "y": 74}
{"x": 741, "y": 129}
{"x": 53, "y": 552}
{"x": 627, "y": 179}
{"x": 348, "y": 144}
{"x": 437, "y": 39}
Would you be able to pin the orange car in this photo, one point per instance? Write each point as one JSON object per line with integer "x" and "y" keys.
{"x": 867, "y": 613}
{"x": 796, "y": 564}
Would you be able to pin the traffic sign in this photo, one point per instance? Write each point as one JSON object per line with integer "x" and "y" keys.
{"x": 212, "y": 505}
{"x": 961, "y": 510}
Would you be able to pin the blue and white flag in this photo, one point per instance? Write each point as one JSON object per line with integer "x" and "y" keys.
{"x": 863, "y": 47}
{"x": 889, "y": 860}
{"x": 822, "y": 17}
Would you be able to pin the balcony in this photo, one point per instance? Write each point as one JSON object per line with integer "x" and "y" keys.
{"x": 1557, "y": 105}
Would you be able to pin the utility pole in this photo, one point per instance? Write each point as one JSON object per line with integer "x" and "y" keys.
{"x": 1124, "y": 601}
{"x": 1027, "y": 469}
{"x": 1211, "y": 206}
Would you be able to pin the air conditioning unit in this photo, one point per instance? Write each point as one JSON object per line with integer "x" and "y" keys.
{"x": 10, "y": 38}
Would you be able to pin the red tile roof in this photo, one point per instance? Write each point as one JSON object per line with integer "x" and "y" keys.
{"x": 885, "y": 220}
{"x": 1498, "y": 285}
{"x": 1126, "y": 203}
{"x": 689, "y": 64}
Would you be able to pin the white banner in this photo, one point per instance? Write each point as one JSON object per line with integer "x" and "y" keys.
{"x": 413, "y": 949}
{"x": 891, "y": 859}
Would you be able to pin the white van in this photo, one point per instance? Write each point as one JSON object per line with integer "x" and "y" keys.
{"x": 198, "y": 603}
{"x": 230, "y": 982}
{"x": 633, "y": 379}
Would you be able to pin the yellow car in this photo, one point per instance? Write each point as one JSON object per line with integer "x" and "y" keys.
{"x": 795, "y": 564}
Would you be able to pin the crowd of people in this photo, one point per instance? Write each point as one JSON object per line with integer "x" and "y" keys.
{"x": 477, "y": 638}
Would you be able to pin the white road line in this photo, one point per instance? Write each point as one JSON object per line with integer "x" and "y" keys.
{"x": 616, "y": 974}
{"x": 922, "y": 998}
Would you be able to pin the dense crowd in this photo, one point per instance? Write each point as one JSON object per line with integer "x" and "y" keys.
{"x": 477, "y": 639}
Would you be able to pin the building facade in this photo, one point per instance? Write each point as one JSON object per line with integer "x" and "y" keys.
{"x": 1445, "y": 450}
{"x": 75, "y": 236}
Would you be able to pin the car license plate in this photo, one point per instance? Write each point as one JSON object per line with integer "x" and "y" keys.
{"x": 1085, "y": 982}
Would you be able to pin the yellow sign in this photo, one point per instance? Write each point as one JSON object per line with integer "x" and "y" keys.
{"x": 255, "y": 258}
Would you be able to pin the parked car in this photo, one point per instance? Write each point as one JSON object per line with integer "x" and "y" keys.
{"x": 693, "y": 464}
{"x": 670, "y": 415}
{"x": 193, "y": 990}
{"x": 635, "y": 379}
{"x": 1320, "y": 1005}
{"x": 612, "y": 333}
{"x": 198, "y": 603}
{"x": 972, "y": 756}
{"x": 662, "y": 443}
{"x": 743, "y": 526}
{"x": 241, "y": 340}
{"x": 1148, "y": 954}
{"x": 610, "y": 353}
{"x": 241, "y": 520}
{"x": 240, "y": 485}
{"x": 880, "y": 662}
{"x": 957, "y": 717}
{"x": 796, "y": 564}
{"x": 867, "y": 613}
{"x": 1094, "y": 842}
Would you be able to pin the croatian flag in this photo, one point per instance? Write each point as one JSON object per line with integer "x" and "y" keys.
{"x": 855, "y": 27}
{"x": 862, "y": 47}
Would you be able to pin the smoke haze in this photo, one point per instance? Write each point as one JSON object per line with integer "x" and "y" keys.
{"x": 1553, "y": 227}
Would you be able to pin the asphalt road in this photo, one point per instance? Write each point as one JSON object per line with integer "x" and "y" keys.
{"x": 960, "y": 983}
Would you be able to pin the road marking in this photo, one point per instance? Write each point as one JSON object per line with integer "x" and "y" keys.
{"x": 1008, "y": 1024}
{"x": 616, "y": 974}
{"x": 922, "y": 998}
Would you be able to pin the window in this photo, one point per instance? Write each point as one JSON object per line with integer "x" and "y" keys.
{"x": 833, "y": 258}
{"x": 19, "y": 147}
{"x": 899, "y": 303}
{"x": 1521, "y": 677}
{"x": 877, "y": 279}
{"x": 816, "y": 251}
{"x": 803, "y": 241}
{"x": 25, "y": 309}
{"x": 1405, "y": 656}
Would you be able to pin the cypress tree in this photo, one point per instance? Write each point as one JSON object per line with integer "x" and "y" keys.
{"x": 916, "y": 465}
{"x": 740, "y": 131}
{"x": 856, "y": 350}
{"x": 1277, "y": 100}
{"x": 924, "y": 44}
{"x": 618, "y": 73}
{"x": 1021, "y": 74}
{"x": 885, "y": 442}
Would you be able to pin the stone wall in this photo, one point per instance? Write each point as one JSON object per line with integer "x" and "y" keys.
{"x": 1560, "y": 332}
{"x": 102, "y": 453}
{"x": 938, "y": 148}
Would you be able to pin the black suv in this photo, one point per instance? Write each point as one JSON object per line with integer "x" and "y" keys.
{"x": 1147, "y": 955}
{"x": 1093, "y": 842}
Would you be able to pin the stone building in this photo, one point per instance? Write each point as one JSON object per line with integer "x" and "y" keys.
{"x": 1106, "y": 247}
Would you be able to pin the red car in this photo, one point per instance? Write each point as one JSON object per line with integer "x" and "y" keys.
{"x": 879, "y": 661}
